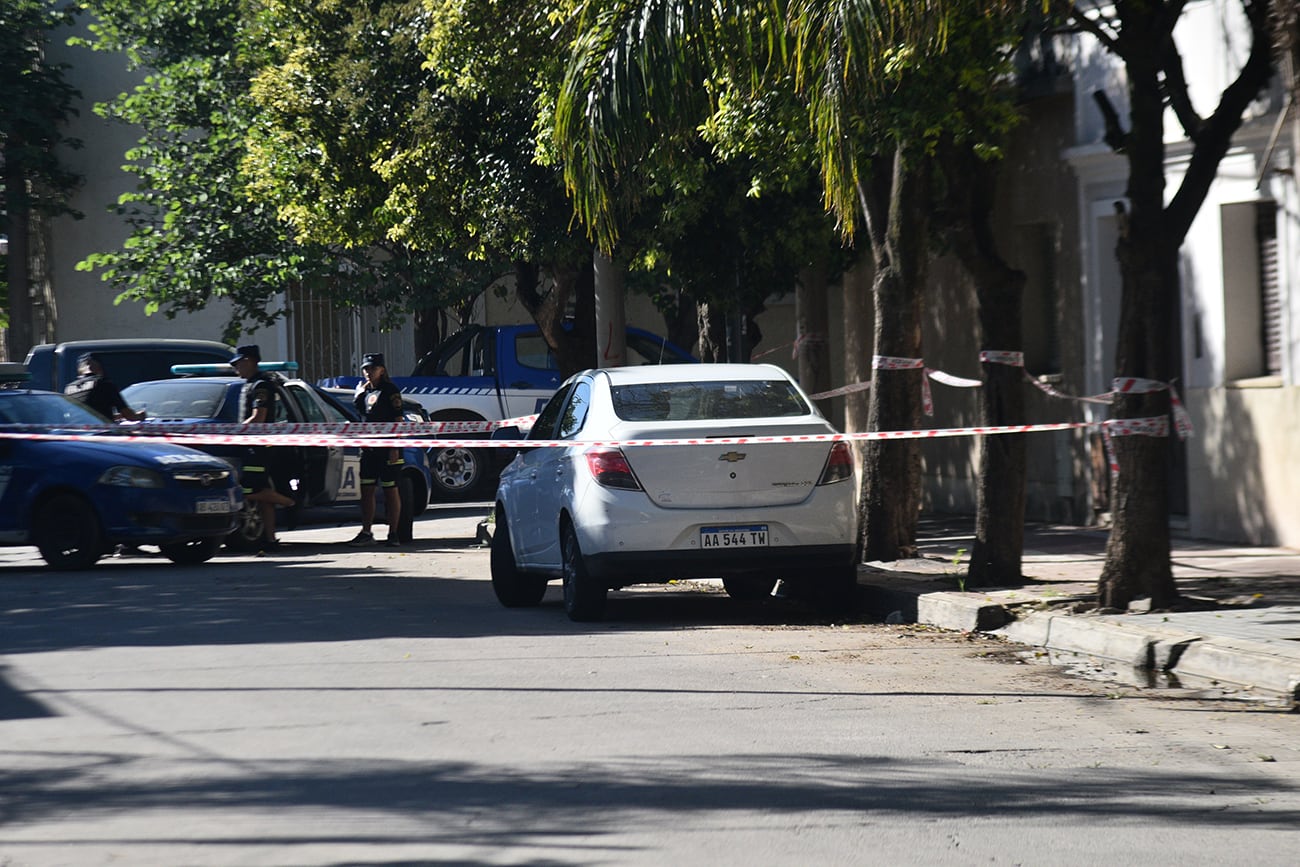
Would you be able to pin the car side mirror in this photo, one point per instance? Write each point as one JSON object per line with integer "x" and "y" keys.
{"x": 510, "y": 432}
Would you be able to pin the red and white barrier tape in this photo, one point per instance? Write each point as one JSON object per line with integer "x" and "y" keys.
{"x": 356, "y": 429}
{"x": 810, "y": 338}
{"x": 381, "y": 442}
{"x": 1152, "y": 426}
{"x": 889, "y": 362}
{"x": 1012, "y": 358}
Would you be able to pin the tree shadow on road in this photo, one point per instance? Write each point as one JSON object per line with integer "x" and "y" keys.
{"x": 590, "y": 805}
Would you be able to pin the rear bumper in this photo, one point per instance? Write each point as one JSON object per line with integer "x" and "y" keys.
{"x": 648, "y": 567}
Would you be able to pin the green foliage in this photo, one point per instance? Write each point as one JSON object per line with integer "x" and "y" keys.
{"x": 201, "y": 227}
{"x": 35, "y": 101}
{"x": 865, "y": 77}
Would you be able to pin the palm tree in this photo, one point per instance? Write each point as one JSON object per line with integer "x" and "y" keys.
{"x": 645, "y": 74}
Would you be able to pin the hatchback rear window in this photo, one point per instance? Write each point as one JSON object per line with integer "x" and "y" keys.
{"x": 708, "y": 401}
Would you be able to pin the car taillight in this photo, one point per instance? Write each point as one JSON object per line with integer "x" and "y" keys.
{"x": 839, "y": 464}
{"x": 609, "y": 467}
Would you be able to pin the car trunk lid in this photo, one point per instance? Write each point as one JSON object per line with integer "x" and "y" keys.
{"x": 727, "y": 475}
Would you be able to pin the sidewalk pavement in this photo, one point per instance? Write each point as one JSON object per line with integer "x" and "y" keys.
{"x": 1241, "y": 627}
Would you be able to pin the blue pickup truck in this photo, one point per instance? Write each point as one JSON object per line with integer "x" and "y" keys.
{"x": 489, "y": 373}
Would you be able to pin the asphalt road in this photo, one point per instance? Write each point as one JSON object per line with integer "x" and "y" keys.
{"x": 333, "y": 706}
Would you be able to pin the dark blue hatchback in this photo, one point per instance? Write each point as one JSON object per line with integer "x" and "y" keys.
{"x": 77, "y": 500}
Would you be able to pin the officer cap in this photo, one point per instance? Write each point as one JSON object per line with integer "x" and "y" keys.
{"x": 85, "y": 359}
{"x": 250, "y": 350}
{"x": 373, "y": 359}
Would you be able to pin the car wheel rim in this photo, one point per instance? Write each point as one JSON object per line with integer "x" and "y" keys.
{"x": 455, "y": 468}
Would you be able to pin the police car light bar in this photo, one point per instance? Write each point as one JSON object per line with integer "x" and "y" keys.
{"x": 227, "y": 370}
{"x": 14, "y": 372}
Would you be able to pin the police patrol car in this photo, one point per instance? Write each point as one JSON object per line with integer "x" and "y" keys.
{"x": 317, "y": 475}
{"x": 77, "y": 500}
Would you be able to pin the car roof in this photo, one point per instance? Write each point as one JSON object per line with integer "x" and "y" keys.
{"x": 649, "y": 373}
{"x": 135, "y": 342}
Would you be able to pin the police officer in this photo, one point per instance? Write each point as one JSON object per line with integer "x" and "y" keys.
{"x": 98, "y": 392}
{"x": 378, "y": 399}
{"x": 259, "y": 407}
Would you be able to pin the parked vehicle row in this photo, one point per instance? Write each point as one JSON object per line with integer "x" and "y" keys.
{"x": 315, "y": 475}
{"x": 77, "y": 500}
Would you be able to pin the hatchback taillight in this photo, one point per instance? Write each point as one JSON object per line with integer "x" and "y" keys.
{"x": 839, "y": 464}
{"x": 609, "y": 467}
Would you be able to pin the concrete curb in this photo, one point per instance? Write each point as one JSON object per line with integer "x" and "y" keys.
{"x": 1218, "y": 659}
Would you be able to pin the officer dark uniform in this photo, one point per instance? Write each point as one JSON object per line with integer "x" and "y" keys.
{"x": 259, "y": 406}
{"x": 98, "y": 392}
{"x": 378, "y": 400}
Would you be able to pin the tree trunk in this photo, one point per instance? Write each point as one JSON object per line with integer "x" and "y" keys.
{"x": 859, "y": 314}
{"x": 889, "y": 507}
{"x": 998, "y": 553}
{"x": 1137, "y": 554}
{"x": 574, "y": 348}
{"x": 812, "y": 324}
{"x": 17, "y": 222}
{"x": 713, "y": 333}
{"x": 428, "y": 330}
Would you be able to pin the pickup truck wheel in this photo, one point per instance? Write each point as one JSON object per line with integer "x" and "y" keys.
{"x": 584, "y": 597}
{"x": 514, "y": 588}
{"x": 247, "y": 535}
{"x": 67, "y": 532}
{"x": 458, "y": 474}
{"x": 191, "y": 552}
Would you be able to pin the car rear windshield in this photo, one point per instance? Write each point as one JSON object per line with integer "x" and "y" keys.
{"x": 53, "y": 409}
{"x": 708, "y": 401}
{"x": 177, "y": 398}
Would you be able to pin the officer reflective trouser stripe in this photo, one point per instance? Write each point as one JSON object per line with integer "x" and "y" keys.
{"x": 392, "y": 462}
{"x": 247, "y": 472}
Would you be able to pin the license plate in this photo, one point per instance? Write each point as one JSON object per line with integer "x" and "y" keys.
{"x": 213, "y": 507}
{"x": 751, "y": 536}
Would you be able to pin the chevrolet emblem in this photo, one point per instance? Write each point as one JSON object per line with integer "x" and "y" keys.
{"x": 732, "y": 457}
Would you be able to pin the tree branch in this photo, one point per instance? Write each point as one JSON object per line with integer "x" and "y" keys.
{"x": 1175, "y": 87}
{"x": 1218, "y": 129}
{"x": 1116, "y": 137}
{"x": 1095, "y": 26}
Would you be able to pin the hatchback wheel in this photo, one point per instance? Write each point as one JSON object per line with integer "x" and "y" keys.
{"x": 513, "y": 587}
{"x": 749, "y": 587}
{"x": 584, "y": 597}
{"x": 835, "y": 592}
{"x": 67, "y": 532}
{"x": 191, "y": 552}
{"x": 247, "y": 535}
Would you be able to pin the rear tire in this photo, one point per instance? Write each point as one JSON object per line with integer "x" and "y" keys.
{"x": 514, "y": 588}
{"x": 191, "y": 552}
{"x": 405, "y": 528}
{"x": 67, "y": 532}
{"x": 247, "y": 535}
{"x": 584, "y": 597}
{"x": 835, "y": 594}
{"x": 749, "y": 588}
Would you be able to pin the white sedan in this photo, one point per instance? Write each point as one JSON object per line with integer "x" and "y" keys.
{"x": 601, "y": 516}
